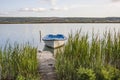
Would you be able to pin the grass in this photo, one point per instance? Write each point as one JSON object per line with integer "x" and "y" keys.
{"x": 19, "y": 62}
{"x": 101, "y": 56}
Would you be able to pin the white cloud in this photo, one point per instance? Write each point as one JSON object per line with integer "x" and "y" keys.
{"x": 3, "y": 13}
{"x": 115, "y": 4}
{"x": 59, "y": 9}
{"x": 33, "y": 9}
{"x": 43, "y": 9}
{"x": 52, "y": 2}
{"x": 115, "y": 0}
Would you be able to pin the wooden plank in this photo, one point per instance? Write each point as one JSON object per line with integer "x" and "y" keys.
{"x": 46, "y": 65}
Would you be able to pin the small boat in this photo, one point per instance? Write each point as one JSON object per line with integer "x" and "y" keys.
{"x": 54, "y": 41}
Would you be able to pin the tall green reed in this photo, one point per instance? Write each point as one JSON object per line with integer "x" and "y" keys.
{"x": 19, "y": 62}
{"x": 95, "y": 54}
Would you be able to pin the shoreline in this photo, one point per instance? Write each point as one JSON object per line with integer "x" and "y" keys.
{"x": 64, "y": 23}
{"x": 38, "y": 20}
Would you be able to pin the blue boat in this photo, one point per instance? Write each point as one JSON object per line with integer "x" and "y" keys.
{"x": 54, "y": 41}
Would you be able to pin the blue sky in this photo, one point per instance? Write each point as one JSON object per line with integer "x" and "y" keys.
{"x": 60, "y": 8}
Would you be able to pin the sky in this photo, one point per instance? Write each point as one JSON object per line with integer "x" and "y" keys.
{"x": 59, "y": 8}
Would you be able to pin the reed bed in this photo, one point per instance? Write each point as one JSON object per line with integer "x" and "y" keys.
{"x": 81, "y": 59}
{"x": 19, "y": 62}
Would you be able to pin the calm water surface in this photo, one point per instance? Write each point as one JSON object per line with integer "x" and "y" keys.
{"x": 30, "y": 32}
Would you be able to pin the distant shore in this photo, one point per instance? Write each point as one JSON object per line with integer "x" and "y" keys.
{"x": 37, "y": 20}
{"x": 56, "y": 22}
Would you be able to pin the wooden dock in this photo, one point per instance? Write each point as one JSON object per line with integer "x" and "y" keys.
{"x": 46, "y": 66}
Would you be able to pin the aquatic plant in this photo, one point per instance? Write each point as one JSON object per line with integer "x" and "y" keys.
{"x": 19, "y": 62}
{"x": 86, "y": 74}
{"x": 95, "y": 55}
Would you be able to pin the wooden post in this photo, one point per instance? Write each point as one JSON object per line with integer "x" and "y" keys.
{"x": 40, "y": 35}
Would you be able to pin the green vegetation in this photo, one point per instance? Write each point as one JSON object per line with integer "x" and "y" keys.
{"x": 81, "y": 59}
{"x": 19, "y": 62}
{"x": 85, "y": 74}
{"x": 28, "y": 20}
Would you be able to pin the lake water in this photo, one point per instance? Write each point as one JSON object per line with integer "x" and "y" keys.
{"x": 30, "y": 32}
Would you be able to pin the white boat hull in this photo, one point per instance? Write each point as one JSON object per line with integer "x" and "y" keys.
{"x": 54, "y": 43}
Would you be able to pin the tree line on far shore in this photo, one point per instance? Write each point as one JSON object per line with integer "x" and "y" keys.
{"x": 23, "y": 20}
